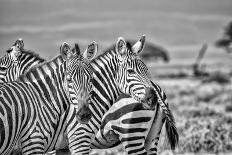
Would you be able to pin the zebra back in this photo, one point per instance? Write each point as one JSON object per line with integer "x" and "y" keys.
{"x": 17, "y": 61}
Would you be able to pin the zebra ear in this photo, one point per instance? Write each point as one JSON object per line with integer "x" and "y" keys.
{"x": 77, "y": 49}
{"x": 15, "y": 50}
{"x": 91, "y": 51}
{"x": 19, "y": 44}
{"x": 66, "y": 51}
{"x": 139, "y": 45}
{"x": 121, "y": 46}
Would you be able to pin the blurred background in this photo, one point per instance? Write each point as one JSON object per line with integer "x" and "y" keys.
{"x": 188, "y": 51}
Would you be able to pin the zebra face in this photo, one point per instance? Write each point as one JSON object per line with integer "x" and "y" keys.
{"x": 79, "y": 74}
{"x": 9, "y": 62}
{"x": 133, "y": 77}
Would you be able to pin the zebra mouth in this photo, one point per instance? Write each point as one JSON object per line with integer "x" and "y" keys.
{"x": 84, "y": 119}
{"x": 149, "y": 100}
{"x": 148, "y": 103}
{"x": 84, "y": 115}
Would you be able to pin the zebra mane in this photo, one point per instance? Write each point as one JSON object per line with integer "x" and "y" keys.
{"x": 32, "y": 53}
{"x": 112, "y": 47}
{"x": 34, "y": 68}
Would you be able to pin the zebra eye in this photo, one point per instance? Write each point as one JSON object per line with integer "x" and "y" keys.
{"x": 131, "y": 71}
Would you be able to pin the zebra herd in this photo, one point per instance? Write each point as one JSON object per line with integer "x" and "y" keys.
{"x": 75, "y": 102}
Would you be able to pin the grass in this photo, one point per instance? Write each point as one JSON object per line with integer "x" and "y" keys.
{"x": 204, "y": 115}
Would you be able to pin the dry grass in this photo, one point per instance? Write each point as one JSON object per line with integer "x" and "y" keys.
{"x": 203, "y": 115}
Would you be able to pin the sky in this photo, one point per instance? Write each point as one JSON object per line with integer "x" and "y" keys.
{"x": 181, "y": 26}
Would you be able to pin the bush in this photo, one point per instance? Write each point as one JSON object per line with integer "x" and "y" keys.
{"x": 218, "y": 78}
{"x": 228, "y": 108}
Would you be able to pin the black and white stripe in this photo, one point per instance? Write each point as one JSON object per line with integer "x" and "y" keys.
{"x": 115, "y": 71}
{"x": 34, "y": 107}
{"x": 17, "y": 61}
{"x": 128, "y": 123}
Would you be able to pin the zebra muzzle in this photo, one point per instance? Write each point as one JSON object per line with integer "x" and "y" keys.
{"x": 84, "y": 114}
{"x": 150, "y": 99}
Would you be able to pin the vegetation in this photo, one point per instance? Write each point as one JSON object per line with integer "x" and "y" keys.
{"x": 204, "y": 116}
{"x": 226, "y": 41}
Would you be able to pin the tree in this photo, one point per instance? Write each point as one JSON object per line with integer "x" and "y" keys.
{"x": 226, "y": 41}
{"x": 151, "y": 51}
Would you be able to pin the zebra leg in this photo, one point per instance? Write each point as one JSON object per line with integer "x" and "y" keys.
{"x": 152, "y": 139}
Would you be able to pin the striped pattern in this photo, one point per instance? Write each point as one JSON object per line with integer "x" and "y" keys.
{"x": 114, "y": 72}
{"x": 136, "y": 128}
{"x": 136, "y": 118}
{"x": 126, "y": 122}
{"x": 33, "y": 108}
{"x": 17, "y": 61}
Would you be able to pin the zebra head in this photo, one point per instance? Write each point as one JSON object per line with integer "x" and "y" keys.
{"x": 9, "y": 62}
{"x": 79, "y": 74}
{"x": 133, "y": 77}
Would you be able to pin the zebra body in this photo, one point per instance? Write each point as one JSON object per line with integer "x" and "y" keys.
{"x": 127, "y": 119}
{"x": 36, "y": 108}
{"x": 17, "y": 61}
{"x": 33, "y": 108}
{"x": 114, "y": 72}
{"x": 105, "y": 93}
{"x": 128, "y": 123}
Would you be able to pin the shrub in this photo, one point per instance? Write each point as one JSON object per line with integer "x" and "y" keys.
{"x": 218, "y": 78}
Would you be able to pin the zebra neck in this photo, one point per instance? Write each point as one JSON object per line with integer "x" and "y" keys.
{"x": 28, "y": 61}
{"x": 48, "y": 81}
{"x": 104, "y": 84}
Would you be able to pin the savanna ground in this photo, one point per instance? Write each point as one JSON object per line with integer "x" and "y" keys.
{"x": 202, "y": 109}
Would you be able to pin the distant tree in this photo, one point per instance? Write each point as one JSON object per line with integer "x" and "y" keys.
{"x": 151, "y": 51}
{"x": 198, "y": 69}
{"x": 226, "y": 41}
{"x": 228, "y": 31}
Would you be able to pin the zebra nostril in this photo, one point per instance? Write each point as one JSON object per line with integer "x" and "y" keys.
{"x": 84, "y": 114}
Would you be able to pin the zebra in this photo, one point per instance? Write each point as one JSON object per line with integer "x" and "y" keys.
{"x": 33, "y": 107}
{"x": 115, "y": 72}
{"x": 111, "y": 109}
{"x": 131, "y": 120}
{"x": 104, "y": 96}
{"x": 127, "y": 119}
{"x": 17, "y": 61}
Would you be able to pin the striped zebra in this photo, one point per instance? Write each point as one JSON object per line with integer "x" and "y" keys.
{"x": 115, "y": 72}
{"x": 128, "y": 119}
{"x": 17, "y": 61}
{"x": 33, "y": 108}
